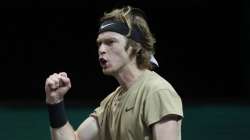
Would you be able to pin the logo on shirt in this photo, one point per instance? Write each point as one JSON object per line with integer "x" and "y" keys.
{"x": 128, "y": 109}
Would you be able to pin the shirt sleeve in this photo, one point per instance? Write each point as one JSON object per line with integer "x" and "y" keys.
{"x": 99, "y": 112}
{"x": 160, "y": 104}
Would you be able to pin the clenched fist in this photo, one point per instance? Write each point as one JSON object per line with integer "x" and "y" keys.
{"x": 56, "y": 86}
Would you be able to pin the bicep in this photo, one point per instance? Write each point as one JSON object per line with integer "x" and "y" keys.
{"x": 88, "y": 130}
{"x": 166, "y": 129}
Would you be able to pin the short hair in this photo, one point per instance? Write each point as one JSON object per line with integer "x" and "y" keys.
{"x": 144, "y": 49}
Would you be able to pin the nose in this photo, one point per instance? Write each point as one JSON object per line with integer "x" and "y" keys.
{"x": 102, "y": 49}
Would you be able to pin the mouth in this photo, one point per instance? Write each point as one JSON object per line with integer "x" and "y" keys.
{"x": 103, "y": 62}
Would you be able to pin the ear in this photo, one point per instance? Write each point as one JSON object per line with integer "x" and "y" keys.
{"x": 129, "y": 50}
{"x": 139, "y": 51}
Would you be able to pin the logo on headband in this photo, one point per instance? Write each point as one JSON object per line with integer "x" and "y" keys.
{"x": 106, "y": 25}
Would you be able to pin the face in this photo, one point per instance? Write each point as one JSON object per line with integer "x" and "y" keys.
{"x": 112, "y": 54}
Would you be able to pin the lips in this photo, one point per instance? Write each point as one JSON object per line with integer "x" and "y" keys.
{"x": 103, "y": 62}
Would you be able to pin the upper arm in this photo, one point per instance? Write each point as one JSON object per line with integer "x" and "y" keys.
{"x": 167, "y": 128}
{"x": 88, "y": 130}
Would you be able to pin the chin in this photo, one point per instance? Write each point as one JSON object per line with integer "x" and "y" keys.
{"x": 108, "y": 72}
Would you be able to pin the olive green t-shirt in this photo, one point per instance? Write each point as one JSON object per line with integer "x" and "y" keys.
{"x": 128, "y": 115}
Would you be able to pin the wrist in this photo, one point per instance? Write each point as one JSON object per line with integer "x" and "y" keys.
{"x": 57, "y": 115}
{"x": 54, "y": 100}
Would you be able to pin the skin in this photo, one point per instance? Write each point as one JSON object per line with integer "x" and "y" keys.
{"x": 111, "y": 48}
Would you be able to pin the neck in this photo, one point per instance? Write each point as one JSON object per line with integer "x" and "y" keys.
{"x": 128, "y": 76}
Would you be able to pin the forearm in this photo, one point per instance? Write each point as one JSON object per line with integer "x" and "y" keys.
{"x": 56, "y": 86}
{"x": 65, "y": 132}
{"x": 60, "y": 128}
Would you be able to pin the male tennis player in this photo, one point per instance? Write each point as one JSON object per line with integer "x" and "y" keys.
{"x": 143, "y": 107}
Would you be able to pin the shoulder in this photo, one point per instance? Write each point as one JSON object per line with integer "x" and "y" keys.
{"x": 157, "y": 88}
{"x": 156, "y": 83}
{"x": 160, "y": 100}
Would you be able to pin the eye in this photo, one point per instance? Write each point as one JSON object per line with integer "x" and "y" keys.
{"x": 98, "y": 43}
{"x": 109, "y": 42}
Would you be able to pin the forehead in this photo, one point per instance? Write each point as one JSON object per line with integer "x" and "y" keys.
{"x": 109, "y": 35}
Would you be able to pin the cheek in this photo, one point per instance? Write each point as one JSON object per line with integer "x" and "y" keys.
{"x": 116, "y": 59}
{"x": 121, "y": 56}
{"x": 118, "y": 53}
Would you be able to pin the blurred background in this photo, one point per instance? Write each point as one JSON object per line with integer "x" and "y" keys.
{"x": 202, "y": 48}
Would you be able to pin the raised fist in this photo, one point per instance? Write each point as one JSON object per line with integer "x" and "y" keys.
{"x": 56, "y": 86}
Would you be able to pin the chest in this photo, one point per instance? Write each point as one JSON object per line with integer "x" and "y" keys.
{"x": 126, "y": 118}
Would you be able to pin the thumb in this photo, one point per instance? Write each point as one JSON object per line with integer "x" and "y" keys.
{"x": 65, "y": 81}
{"x": 64, "y": 74}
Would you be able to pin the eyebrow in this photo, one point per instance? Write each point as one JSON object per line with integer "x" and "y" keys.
{"x": 106, "y": 38}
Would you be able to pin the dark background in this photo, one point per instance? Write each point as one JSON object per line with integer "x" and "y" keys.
{"x": 202, "y": 48}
